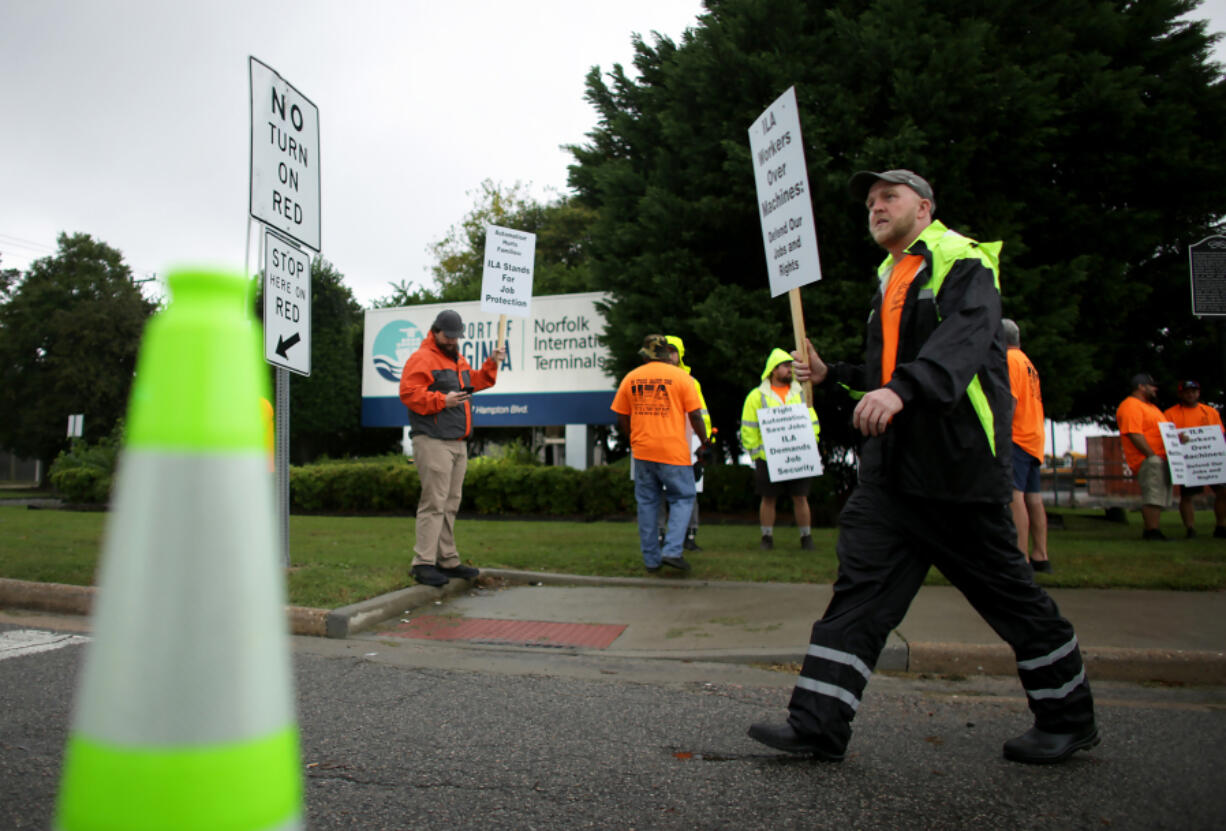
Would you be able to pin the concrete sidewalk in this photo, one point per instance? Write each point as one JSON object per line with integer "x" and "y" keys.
{"x": 1171, "y": 637}
{"x": 1168, "y": 637}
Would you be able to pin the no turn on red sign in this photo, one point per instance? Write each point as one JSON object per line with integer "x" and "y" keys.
{"x": 284, "y": 157}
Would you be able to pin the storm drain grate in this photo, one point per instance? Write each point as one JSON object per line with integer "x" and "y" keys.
{"x": 510, "y": 632}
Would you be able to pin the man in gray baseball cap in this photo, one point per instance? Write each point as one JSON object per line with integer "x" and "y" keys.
{"x": 862, "y": 180}
{"x": 935, "y": 409}
{"x": 436, "y": 385}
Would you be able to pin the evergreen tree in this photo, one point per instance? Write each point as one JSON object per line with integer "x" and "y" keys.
{"x": 1085, "y": 134}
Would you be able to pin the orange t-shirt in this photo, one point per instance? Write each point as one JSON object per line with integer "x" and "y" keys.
{"x": 658, "y": 398}
{"x": 892, "y": 301}
{"x": 1028, "y": 410}
{"x": 781, "y": 392}
{"x": 1202, "y": 415}
{"x": 1137, "y": 416}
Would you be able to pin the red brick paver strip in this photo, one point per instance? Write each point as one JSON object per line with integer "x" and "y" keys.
{"x": 518, "y": 632}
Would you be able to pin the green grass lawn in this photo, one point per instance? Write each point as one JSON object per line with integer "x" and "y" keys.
{"x": 340, "y": 560}
{"x": 24, "y": 493}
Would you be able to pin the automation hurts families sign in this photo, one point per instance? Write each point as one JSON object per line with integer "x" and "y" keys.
{"x": 506, "y": 276}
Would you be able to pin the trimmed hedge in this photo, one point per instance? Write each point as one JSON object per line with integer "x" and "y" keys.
{"x": 362, "y": 487}
{"x": 496, "y": 486}
{"x": 82, "y": 474}
{"x": 490, "y": 487}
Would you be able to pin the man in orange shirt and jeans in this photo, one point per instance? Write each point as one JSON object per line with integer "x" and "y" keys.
{"x": 652, "y": 404}
{"x": 1029, "y": 515}
{"x": 1138, "y": 418}
{"x": 1189, "y": 412}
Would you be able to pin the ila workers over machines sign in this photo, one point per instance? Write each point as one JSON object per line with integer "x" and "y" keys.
{"x": 784, "y": 205}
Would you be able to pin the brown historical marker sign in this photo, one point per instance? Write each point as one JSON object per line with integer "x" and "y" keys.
{"x": 1207, "y": 261}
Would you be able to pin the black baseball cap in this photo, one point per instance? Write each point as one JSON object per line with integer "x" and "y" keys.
{"x": 862, "y": 180}
{"x": 1188, "y": 385}
{"x": 1143, "y": 378}
{"x": 449, "y": 323}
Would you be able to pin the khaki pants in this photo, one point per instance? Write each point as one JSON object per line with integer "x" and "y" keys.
{"x": 441, "y": 464}
{"x": 1154, "y": 478}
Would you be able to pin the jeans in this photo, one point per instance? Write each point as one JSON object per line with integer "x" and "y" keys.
{"x": 675, "y": 483}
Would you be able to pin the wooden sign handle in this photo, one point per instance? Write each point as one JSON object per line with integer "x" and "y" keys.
{"x": 798, "y": 330}
{"x": 502, "y": 332}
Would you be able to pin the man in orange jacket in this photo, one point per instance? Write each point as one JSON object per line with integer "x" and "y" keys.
{"x": 1189, "y": 412}
{"x": 436, "y": 385}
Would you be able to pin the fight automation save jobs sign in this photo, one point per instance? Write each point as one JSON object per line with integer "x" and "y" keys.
{"x": 287, "y": 305}
{"x": 784, "y": 207}
{"x": 789, "y": 442}
{"x": 506, "y": 278}
{"x": 284, "y": 157}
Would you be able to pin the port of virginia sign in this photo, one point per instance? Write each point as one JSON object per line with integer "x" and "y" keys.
{"x": 554, "y": 372}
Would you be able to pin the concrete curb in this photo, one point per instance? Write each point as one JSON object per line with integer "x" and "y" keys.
{"x": 351, "y": 619}
{"x": 47, "y": 597}
{"x": 63, "y": 599}
{"x": 1167, "y": 666}
{"x": 893, "y": 657}
{"x": 668, "y": 580}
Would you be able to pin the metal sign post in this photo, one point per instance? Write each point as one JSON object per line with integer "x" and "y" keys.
{"x": 285, "y": 196}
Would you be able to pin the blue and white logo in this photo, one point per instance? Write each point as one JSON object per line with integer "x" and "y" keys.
{"x": 392, "y": 347}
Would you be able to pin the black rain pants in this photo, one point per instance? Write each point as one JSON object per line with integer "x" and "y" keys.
{"x": 887, "y": 543}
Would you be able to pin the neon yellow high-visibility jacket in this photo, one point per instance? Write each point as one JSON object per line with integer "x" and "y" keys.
{"x": 764, "y": 396}
{"x": 680, "y": 346}
{"x": 953, "y": 438}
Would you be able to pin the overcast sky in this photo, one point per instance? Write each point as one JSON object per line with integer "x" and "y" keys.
{"x": 130, "y": 120}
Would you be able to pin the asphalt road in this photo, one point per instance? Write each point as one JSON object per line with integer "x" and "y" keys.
{"x": 428, "y": 736}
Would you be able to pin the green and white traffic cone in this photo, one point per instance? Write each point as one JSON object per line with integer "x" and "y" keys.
{"x": 185, "y": 712}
